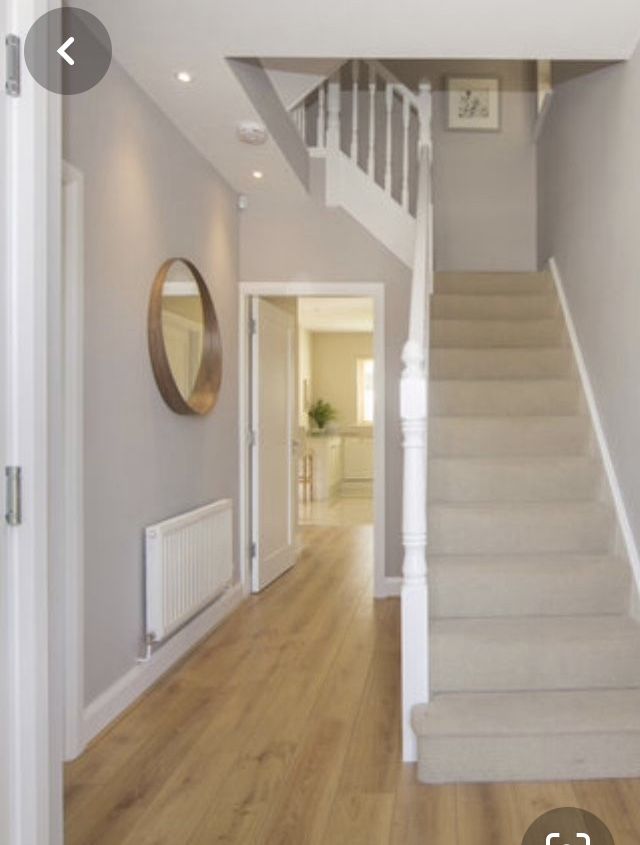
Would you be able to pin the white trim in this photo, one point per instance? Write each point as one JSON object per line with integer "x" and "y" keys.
{"x": 376, "y": 292}
{"x": 31, "y": 180}
{"x": 71, "y": 485}
{"x": 392, "y": 587}
{"x": 127, "y": 689}
{"x": 607, "y": 460}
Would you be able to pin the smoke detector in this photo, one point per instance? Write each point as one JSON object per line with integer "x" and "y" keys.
{"x": 252, "y": 132}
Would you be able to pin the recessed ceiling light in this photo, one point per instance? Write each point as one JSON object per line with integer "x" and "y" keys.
{"x": 258, "y": 174}
{"x": 184, "y": 76}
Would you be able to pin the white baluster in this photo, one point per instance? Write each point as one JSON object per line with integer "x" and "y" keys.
{"x": 321, "y": 116}
{"x": 333, "y": 114}
{"x": 354, "y": 110}
{"x": 387, "y": 169}
{"x": 371, "y": 163}
{"x": 303, "y": 121}
{"x": 405, "y": 152}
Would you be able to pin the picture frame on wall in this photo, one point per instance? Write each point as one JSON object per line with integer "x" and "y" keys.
{"x": 473, "y": 104}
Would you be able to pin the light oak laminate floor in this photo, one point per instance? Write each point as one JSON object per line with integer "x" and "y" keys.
{"x": 283, "y": 727}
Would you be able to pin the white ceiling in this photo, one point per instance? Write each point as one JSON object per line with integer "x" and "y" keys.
{"x": 335, "y": 314}
{"x": 153, "y": 39}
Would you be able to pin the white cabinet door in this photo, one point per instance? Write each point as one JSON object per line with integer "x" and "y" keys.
{"x": 358, "y": 458}
{"x": 273, "y": 458}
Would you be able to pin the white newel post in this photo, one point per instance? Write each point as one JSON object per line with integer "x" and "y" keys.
{"x": 414, "y": 409}
{"x": 415, "y": 632}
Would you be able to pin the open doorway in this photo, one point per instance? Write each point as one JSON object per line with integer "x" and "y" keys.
{"x": 336, "y": 405}
{"x": 312, "y": 420}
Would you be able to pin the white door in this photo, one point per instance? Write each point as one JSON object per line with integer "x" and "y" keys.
{"x": 4, "y": 626}
{"x": 273, "y": 465}
{"x": 30, "y": 780}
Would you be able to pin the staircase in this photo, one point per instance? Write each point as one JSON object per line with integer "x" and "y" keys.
{"x": 521, "y": 661}
{"x": 535, "y": 658}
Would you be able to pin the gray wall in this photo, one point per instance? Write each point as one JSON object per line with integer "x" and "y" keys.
{"x": 484, "y": 182}
{"x": 589, "y": 171}
{"x": 305, "y": 241}
{"x": 148, "y": 196}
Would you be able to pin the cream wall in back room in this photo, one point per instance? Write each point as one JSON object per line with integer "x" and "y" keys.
{"x": 148, "y": 196}
{"x": 335, "y": 361}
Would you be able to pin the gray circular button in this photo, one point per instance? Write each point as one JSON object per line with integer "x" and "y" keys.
{"x": 568, "y": 826}
{"x": 68, "y": 50}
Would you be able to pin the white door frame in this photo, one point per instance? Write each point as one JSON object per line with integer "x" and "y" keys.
{"x": 31, "y": 177}
{"x": 383, "y": 586}
{"x": 68, "y": 486}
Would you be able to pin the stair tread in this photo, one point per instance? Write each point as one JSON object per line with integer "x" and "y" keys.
{"x": 481, "y": 283}
{"x": 551, "y": 629}
{"x": 507, "y": 382}
{"x": 518, "y": 460}
{"x": 447, "y": 306}
{"x": 512, "y": 506}
{"x": 529, "y": 713}
{"x": 558, "y": 559}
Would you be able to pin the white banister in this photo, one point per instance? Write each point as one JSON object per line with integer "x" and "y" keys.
{"x": 389, "y": 114}
{"x": 333, "y": 114}
{"x": 414, "y": 415}
{"x": 320, "y": 141}
{"x": 371, "y": 160}
{"x": 405, "y": 152}
{"x": 354, "y": 110}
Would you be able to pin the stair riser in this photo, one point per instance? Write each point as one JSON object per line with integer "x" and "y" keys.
{"x": 508, "y": 398}
{"x": 469, "y": 307}
{"x": 460, "y": 437}
{"x": 527, "y": 589}
{"x": 525, "y": 531}
{"x": 500, "y": 363}
{"x": 461, "y": 665}
{"x": 529, "y": 758}
{"x": 472, "y": 480}
{"x": 495, "y": 334}
{"x": 513, "y": 284}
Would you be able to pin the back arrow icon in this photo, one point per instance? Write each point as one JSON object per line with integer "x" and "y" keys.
{"x": 62, "y": 51}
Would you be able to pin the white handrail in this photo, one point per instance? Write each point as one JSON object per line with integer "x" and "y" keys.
{"x": 414, "y": 400}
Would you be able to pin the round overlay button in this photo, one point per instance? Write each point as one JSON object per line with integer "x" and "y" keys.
{"x": 568, "y": 826}
{"x": 68, "y": 50}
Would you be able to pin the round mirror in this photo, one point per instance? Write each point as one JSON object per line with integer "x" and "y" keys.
{"x": 184, "y": 338}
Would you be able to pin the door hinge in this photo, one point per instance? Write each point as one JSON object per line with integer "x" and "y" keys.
{"x": 13, "y": 481}
{"x": 253, "y": 550}
{"x": 253, "y": 326}
{"x": 12, "y": 55}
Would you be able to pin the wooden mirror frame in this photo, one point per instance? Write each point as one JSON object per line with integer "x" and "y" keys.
{"x": 206, "y": 389}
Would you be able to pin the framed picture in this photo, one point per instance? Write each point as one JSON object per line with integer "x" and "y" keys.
{"x": 473, "y": 103}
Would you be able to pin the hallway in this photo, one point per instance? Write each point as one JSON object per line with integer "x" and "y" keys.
{"x": 283, "y": 727}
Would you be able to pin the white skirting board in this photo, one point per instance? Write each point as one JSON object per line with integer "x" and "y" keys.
{"x": 392, "y": 586}
{"x": 614, "y": 486}
{"x": 123, "y": 693}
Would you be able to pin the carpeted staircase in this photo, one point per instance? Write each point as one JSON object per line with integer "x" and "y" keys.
{"x": 535, "y": 658}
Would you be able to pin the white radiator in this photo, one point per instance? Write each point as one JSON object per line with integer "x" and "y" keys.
{"x": 189, "y": 563}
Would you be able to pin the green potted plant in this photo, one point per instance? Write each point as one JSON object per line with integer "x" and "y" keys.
{"x": 321, "y": 413}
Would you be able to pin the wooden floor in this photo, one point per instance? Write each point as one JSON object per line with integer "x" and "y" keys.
{"x": 283, "y": 727}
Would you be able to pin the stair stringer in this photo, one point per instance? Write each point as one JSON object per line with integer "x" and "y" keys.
{"x": 347, "y": 186}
